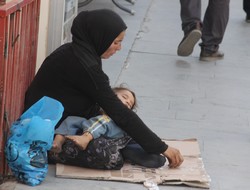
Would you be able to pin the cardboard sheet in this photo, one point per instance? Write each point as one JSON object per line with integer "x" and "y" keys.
{"x": 191, "y": 172}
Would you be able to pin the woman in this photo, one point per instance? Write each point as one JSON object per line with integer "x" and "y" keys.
{"x": 73, "y": 75}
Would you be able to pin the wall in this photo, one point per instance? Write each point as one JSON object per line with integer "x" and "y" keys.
{"x": 43, "y": 33}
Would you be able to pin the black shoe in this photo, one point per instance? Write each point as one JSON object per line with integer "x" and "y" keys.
{"x": 187, "y": 44}
{"x": 211, "y": 56}
{"x": 248, "y": 18}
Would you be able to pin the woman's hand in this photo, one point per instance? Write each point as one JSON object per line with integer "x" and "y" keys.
{"x": 174, "y": 157}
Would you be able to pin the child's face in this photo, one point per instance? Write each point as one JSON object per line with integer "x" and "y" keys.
{"x": 126, "y": 97}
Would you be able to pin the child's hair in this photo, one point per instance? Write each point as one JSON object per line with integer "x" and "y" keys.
{"x": 123, "y": 87}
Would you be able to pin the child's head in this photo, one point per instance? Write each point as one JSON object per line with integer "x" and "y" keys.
{"x": 127, "y": 96}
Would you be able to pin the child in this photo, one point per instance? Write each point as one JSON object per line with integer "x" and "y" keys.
{"x": 103, "y": 125}
{"x": 94, "y": 127}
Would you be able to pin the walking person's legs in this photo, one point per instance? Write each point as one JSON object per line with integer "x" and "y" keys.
{"x": 191, "y": 26}
{"x": 214, "y": 26}
{"x": 246, "y": 8}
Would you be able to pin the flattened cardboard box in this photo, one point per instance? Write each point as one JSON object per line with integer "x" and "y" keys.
{"x": 191, "y": 172}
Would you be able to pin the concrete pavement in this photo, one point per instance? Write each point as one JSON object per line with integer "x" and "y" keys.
{"x": 182, "y": 97}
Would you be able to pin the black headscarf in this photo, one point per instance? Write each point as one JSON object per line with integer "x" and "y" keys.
{"x": 97, "y": 28}
{"x": 92, "y": 34}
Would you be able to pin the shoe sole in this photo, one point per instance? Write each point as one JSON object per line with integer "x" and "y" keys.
{"x": 187, "y": 46}
{"x": 209, "y": 59}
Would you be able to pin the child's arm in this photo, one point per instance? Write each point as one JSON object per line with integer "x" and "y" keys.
{"x": 94, "y": 128}
{"x": 102, "y": 125}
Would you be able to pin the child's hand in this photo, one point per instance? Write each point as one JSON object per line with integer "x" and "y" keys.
{"x": 81, "y": 141}
{"x": 57, "y": 143}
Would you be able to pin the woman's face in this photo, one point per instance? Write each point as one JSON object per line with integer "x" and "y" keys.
{"x": 126, "y": 97}
{"x": 115, "y": 46}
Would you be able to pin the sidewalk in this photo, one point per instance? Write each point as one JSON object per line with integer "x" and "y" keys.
{"x": 181, "y": 97}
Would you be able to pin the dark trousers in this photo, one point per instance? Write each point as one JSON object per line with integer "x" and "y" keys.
{"x": 246, "y": 6}
{"x": 106, "y": 153}
{"x": 214, "y": 22}
{"x": 135, "y": 154}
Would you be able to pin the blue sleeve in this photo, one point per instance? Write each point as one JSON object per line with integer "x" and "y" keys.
{"x": 70, "y": 126}
{"x": 102, "y": 125}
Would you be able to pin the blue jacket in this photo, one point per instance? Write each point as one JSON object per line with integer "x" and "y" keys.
{"x": 97, "y": 126}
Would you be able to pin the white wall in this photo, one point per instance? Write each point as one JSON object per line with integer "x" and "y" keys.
{"x": 43, "y": 33}
{"x": 54, "y": 29}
